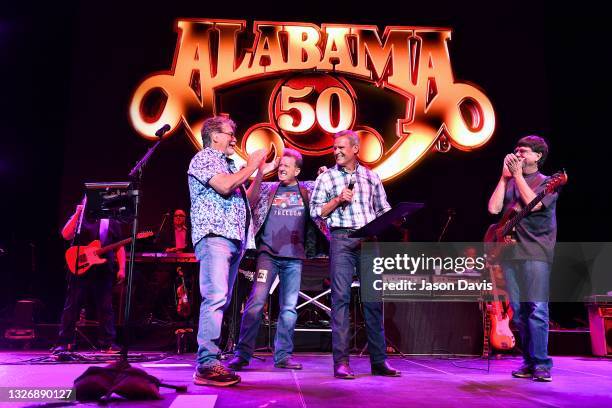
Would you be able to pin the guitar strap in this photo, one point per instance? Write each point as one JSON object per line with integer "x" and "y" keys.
{"x": 104, "y": 230}
{"x": 516, "y": 203}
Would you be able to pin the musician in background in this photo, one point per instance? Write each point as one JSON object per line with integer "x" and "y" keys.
{"x": 527, "y": 265}
{"x": 96, "y": 282}
{"x": 176, "y": 238}
{"x": 173, "y": 238}
{"x": 348, "y": 196}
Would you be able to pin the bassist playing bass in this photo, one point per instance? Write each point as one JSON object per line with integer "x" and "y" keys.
{"x": 527, "y": 263}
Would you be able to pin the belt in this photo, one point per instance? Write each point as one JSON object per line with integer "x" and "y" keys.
{"x": 334, "y": 229}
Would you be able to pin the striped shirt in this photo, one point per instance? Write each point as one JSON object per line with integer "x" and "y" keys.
{"x": 369, "y": 197}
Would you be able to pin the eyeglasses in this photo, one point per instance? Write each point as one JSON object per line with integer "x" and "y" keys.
{"x": 229, "y": 134}
{"x": 179, "y": 215}
{"x": 523, "y": 150}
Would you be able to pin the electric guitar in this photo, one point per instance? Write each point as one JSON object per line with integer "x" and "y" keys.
{"x": 502, "y": 231}
{"x": 498, "y": 315}
{"x": 89, "y": 255}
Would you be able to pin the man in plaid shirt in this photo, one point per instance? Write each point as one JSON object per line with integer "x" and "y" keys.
{"x": 348, "y": 196}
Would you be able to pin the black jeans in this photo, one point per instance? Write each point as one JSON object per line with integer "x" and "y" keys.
{"x": 98, "y": 281}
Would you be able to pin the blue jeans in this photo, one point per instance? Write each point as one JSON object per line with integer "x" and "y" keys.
{"x": 289, "y": 271}
{"x": 345, "y": 256}
{"x": 219, "y": 259}
{"x": 527, "y": 283}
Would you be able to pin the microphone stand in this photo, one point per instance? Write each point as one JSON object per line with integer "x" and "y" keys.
{"x": 136, "y": 175}
{"x": 451, "y": 213}
{"x": 161, "y": 227}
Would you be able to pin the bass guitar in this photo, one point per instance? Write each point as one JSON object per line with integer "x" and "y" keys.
{"x": 502, "y": 232}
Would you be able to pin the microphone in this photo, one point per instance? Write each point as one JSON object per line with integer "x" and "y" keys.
{"x": 162, "y": 130}
{"x": 352, "y": 182}
{"x": 450, "y": 212}
{"x": 350, "y": 187}
{"x": 161, "y": 227}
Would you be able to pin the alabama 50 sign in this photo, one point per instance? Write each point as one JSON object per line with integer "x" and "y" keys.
{"x": 313, "y": 97}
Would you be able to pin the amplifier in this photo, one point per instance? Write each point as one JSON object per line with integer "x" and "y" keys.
{"x": 600, "y": 324}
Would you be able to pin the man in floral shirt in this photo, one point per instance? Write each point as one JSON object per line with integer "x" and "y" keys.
{"x": 221, "y": 231}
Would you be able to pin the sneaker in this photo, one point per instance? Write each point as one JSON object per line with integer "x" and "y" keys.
{"x": 288, "y": 363}
{"x": 237, "y": 363}
{"x": 523, "y": 371}
{"x": 542, "y": 374}
{"x": 216, "y": 375}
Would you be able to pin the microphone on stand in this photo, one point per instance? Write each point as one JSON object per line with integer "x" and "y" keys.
{"x": 451, "y": 213}
{"x": 162, "y": 130}
{"x": 161, "y": 227}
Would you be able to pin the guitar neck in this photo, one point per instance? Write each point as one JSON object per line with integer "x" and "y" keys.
{"x": 114, "y": 246}
{"x": 521, "y": 214}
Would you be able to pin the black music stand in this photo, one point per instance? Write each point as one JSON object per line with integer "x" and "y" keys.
{"x": 121, "y": 201}
{"x": 380, "y": 225}
{"x": 110, "y": 200}
{"x": 377, "y": 227}
{"x": 116, "y": 201}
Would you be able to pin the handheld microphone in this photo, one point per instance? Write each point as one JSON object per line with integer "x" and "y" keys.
{"x": 162, "y": 130}
{"x": 350, "y": 187}
{"x": 352, "y": 182}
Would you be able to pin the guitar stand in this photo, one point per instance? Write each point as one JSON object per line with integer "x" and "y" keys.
{"x": 79, "y": 333}
{"x": 486, "y": 347}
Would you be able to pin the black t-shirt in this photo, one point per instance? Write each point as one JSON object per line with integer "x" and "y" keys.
{"x": 538, "y": 230}
{"x": 90, "y": 231}
{"x": 283, "y": 232}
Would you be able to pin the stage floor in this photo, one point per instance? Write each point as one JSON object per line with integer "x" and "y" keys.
{"x": 425, "y": 382}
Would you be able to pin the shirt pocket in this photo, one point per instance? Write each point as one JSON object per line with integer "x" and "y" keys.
{"x": 363, "y": 192}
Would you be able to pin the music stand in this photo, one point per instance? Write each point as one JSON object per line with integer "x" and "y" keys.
{"x": 377, "y": 227}
{"x": 114, "y": 200}
{"x": 110, "y": 200}
{"x": 380, "y": 224}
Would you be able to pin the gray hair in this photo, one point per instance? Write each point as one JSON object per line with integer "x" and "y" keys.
{"x": 352, "y": 136}
{"x": 299, "y": 160}
{"x": 212, "y": 125}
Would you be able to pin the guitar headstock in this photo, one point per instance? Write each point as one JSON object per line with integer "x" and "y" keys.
{"x": 144, "y": 234}
{"x": 555, "y": 181}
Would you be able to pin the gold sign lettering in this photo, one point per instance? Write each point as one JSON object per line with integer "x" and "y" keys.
{"x": 412, "y": 62}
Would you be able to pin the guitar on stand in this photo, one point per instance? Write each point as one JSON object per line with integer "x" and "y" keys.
{"x": 80, "y": 258}
{"x": 497, "y": 319}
